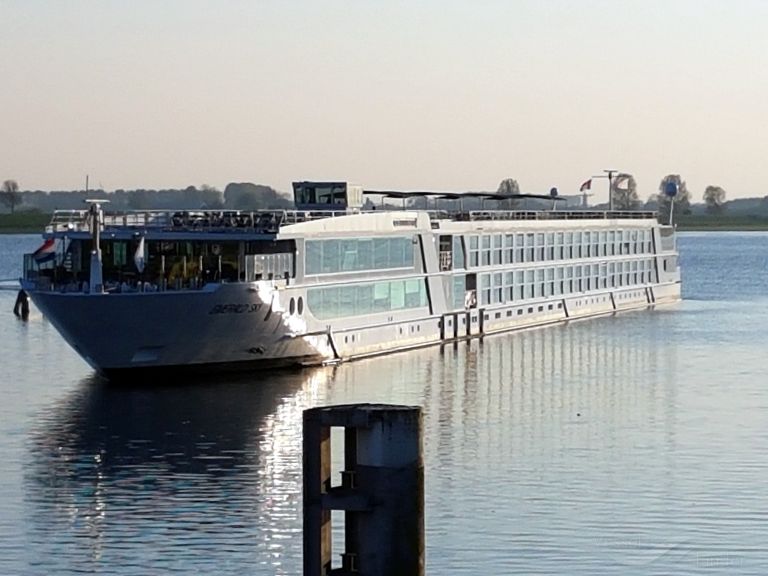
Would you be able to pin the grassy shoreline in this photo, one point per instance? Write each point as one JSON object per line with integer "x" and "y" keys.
{"x": 722, "y": 223}
{"x": 24, "y": 222}
{"x": 35, "y": 222}
{"x": 725, "y": 228}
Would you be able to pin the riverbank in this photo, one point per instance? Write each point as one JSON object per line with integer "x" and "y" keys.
{"x": 24, "y": 222}
{"x": 722, "y": 223}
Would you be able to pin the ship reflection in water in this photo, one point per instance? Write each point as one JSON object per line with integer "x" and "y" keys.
{"x": 206, "y": 477}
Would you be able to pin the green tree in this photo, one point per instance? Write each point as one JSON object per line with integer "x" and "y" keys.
{"x": 682, "y": 200}
{"x": 248, "y": 196}
{"x": 714, "y": 198}
{"x": 205, "y": 197}
{"x": 10, "y": 195}
{"x": 624, "y": 192}
{"x": 212, "y": 197}
{"x": 510, "y": 187}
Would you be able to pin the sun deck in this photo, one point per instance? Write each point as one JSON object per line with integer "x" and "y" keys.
{"x": 270, "y": 221}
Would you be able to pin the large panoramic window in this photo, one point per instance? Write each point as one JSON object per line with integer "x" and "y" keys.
{"x": 498, "y": 246}
{"x": 519, "y": 247}
{"x": 509, "y": 247}
{"x": 366, "y": 298}
{"x": 485, "y": 289}
{"x": 520, "y": 284}
{"x": 458, "y": 291}
{"x": 358, "y": 254}
{"x": 458, "y": 252}
{"x": 486, "y": 250}
{"x": 331, "y": 193}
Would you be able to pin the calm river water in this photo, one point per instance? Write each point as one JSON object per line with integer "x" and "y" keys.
{"x": 634, "y": 444}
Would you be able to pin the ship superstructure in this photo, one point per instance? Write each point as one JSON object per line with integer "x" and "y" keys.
{"x": 330, "y": 281}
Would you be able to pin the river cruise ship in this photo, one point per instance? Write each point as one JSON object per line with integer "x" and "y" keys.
{"x": 329, "y": 281}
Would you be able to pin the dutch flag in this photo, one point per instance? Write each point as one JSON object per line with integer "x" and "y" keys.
{"x": 46, "y": 252}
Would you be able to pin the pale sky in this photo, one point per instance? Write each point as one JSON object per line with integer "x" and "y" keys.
{"x": 439, "y": 95}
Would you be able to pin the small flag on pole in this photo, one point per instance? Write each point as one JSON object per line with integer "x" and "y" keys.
{"x": 46, "y": 252}
{"x": 586, "y": 186}
{"x": 138, "y": 257}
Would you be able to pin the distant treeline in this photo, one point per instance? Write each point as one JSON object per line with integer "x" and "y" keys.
{"x": 249, "y": 196}
{"x": 236, "y": 196}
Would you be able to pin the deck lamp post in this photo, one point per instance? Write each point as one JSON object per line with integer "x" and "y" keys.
{"x": 670, "y": 191}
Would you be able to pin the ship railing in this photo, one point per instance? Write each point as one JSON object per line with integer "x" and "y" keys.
{"x": 557, "y": 215}
{"x": 270, "y": 221}
{"x": 49, "y": 283}
{"x": 68, "y": 284}
{"x": 296, "y": 216}
{"x": 68, "y": 220}
{"x": 260, "y": 221}
{"x": 77, "y": 220}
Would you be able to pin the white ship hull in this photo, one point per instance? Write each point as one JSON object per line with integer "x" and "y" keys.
{"x": 242, "y": 326}
{"x": 224, "y": 325}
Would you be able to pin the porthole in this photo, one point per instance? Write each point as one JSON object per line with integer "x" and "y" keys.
{"x": 301, "y": 306}
{"x": 292, "y": 307}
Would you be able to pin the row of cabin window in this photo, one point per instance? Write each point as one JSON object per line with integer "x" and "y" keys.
{"x": 487, "y": 250}
{"x": 358, "y": 254}
{"x": 368, "y": 298}
{"x": 499, "y": 287}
